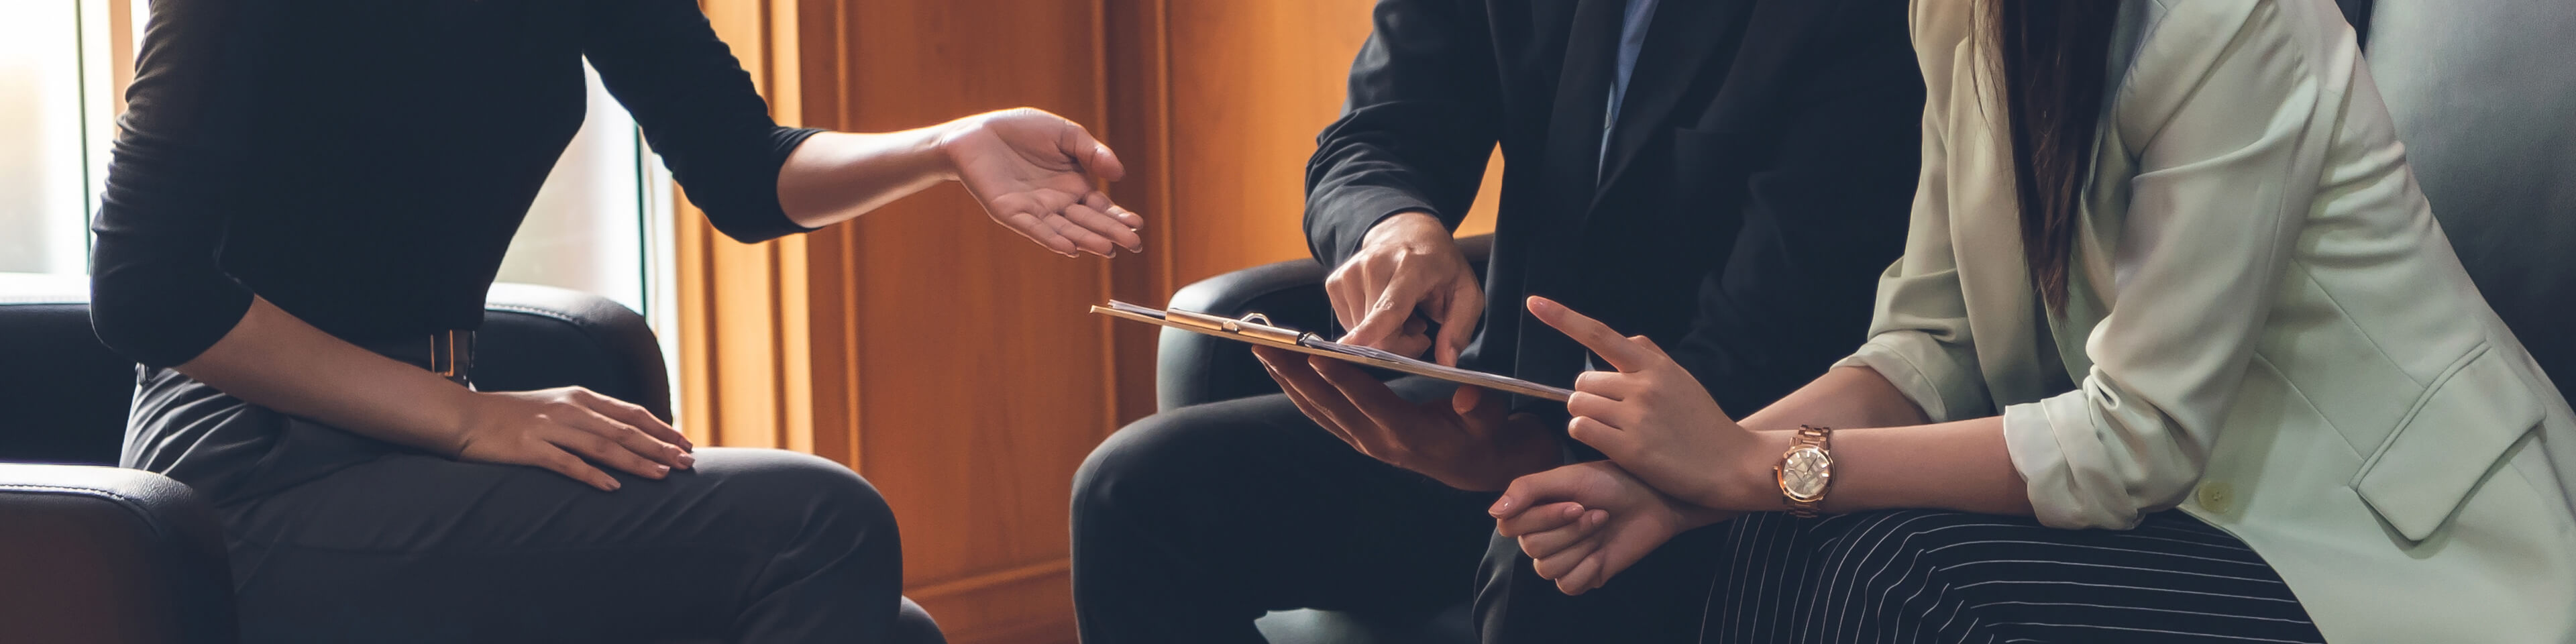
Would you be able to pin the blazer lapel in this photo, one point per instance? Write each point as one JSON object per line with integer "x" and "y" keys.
{"x": 1994, "y": 283}
{"x": 1685, "y": 38}
{"x": 1582, "y": 97}
{"x": 1571, "y": 168}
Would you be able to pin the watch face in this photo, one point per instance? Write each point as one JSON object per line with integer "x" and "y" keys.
{"x": 1803, "y": 473}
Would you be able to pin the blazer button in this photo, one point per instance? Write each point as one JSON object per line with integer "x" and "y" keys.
{"x": 2214, "y": 496}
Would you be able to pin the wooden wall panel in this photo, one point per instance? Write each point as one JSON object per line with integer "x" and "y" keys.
{"x": 948, "y": 360}
{"x": 968, "y": 380}
{"x": 1252, "y": 83}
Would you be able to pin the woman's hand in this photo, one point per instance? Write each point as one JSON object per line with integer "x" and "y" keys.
{"x": 1582, "y": 524}
{"x": 1033, "y": 172}
{"x": 1654, "y": 419}
{"x": 557, "y": 429}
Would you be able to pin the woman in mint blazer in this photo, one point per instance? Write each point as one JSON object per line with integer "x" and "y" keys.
{"x": 2176, "y": 352}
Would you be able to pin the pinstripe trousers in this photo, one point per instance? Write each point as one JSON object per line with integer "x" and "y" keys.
{"x": 1930, "y": 576}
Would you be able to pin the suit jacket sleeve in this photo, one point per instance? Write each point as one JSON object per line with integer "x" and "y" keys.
{"x": 697, "y": 107}
{"x": 1794, "y": 292}
{"x": 2231, "y": 113}
{"x": 1421, "y": 120}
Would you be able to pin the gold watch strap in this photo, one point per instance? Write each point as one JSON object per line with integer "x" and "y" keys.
{"x": 1820, "y": 438}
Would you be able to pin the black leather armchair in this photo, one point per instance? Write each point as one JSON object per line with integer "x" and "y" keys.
{"x": 93, "y": 553}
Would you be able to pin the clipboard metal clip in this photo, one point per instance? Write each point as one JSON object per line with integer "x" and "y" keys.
{"x": 1255, "y": 325}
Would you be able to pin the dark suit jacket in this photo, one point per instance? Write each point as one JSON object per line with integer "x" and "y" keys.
{"x": 1758, "y": 181}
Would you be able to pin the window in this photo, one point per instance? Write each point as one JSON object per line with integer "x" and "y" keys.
{"x": 592, "y": 227}
{"x": 600, "y": 224}
{"x": 53, "y": 108}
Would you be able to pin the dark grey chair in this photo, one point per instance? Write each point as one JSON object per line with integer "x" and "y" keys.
{"x": 93, "y": 553}
{"x": 2485, "y": 100}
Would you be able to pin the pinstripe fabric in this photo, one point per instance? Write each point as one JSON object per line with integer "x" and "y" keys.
{"x": 1923, "y": 576}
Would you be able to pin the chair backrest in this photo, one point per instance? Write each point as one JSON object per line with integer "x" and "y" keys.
{"x": 2484, "y": 95}
{"x": 64, "y": 396}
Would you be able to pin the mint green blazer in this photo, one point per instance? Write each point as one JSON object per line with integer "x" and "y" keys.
{"x": 2267, "y": 328}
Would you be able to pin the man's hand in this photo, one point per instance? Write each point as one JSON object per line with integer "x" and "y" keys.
{"x": 1465, "y": 442}
{"x": 1584, "y": 523}
{"x": 1655, "y": 420}
{"x": 1408, "y": 266}
{"x": 1033, "y": 172}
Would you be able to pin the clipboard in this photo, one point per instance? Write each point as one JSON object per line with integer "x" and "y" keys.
{"x": 1257, "y": 329}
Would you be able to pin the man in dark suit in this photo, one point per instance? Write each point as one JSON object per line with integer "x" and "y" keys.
{"x": 1727, "y": 177}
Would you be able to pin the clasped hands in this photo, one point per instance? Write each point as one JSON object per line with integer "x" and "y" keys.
{"x": 1677, "y": 462}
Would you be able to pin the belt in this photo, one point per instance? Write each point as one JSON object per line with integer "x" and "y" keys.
{"x": 450, "y": 354}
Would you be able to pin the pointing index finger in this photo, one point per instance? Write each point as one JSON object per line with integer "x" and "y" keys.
{"x": 1618, "y": 349}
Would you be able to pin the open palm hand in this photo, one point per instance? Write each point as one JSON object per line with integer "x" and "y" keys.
{"x": 1035, "y": 172}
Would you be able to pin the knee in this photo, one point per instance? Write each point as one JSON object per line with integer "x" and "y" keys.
{"x": 1925, "y": 544}
{"x": 803, "y": 494}
{"x": 1142, "y": 464}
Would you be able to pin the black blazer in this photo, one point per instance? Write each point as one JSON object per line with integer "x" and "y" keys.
{"x": 1758, "y": 181}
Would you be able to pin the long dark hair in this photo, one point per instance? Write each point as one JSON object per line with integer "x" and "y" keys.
{"x": 2050, "y": 55}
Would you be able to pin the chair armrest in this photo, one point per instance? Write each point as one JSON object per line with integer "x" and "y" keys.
{"x": 1190, "y": 368}
{"x": 102, "y": 554}
{"x": 537, "y": 337}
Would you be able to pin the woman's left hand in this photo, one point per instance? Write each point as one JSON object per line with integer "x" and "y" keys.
{"x": 1584, "y": 523}
{"x": 1033, "y": 172}
{"x": 1656, "y": 421}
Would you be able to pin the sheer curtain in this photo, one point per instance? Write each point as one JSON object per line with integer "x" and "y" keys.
{"x": 44, "y": 171}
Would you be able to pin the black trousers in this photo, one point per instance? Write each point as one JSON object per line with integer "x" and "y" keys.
{"x": 1655, "y": 601}
{"x": 1190, "y": 524}
{"x": 370, "y": 542}
{"x": 1930, "y": 576}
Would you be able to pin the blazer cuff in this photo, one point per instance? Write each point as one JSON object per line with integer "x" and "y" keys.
{"x": 1356, "y": 210}
{"x": 2068, "y": 471}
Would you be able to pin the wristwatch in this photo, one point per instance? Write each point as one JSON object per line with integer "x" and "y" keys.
{"x": 1806, "y": 471}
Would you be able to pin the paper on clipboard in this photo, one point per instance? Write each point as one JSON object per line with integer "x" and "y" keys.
{"x": 1257, "y": 329}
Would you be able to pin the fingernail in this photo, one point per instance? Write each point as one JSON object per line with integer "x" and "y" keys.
{"x": 1501, "y": 507}
{"x": 661, "y": 470}
{"x": 1572, "y": 511}
{"x": 613, "y": 485}
{"x": 687, "y": 461}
